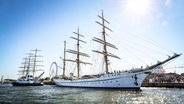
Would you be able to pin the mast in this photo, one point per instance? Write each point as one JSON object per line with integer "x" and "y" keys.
{"x": 30, "y": 62}
{"x": 77, "y": 52}
{"x": 105, "y": 49}
{"x": 64, "y": 63}
{"x": 35, "y": 60}
{"x": 104, "y": 42}
{"x": 28, "y": 66}
{"x": 78, "y": 58}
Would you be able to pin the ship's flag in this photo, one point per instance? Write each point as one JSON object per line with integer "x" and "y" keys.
{"x": 174, "y": 71}
{"x": 159, "y": 70}
{"x": 162, "y": 70}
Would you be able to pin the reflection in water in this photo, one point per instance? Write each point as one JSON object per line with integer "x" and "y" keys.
{"x": 58, "y": 95}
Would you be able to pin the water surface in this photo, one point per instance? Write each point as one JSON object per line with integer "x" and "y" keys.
{"x": 50, "y": 94}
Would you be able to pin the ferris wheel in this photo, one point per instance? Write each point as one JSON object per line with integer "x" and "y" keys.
{"x": 53, "y": 70}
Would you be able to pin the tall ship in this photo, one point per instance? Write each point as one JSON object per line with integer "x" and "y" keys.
{"x": 30, "y": 67}
{"x": 131, "y": 79}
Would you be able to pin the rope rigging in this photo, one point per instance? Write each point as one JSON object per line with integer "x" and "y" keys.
{"x": 128, "y": 46}
{"x": 145, "y": 38}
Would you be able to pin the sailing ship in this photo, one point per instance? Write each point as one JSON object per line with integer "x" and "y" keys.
{"x": 4, "y": 83}
{"x": 131, "y": 79}
{"x": 2, "y": 80}
{"x": 30, "y": 65}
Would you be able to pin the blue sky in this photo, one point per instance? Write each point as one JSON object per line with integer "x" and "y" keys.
{"x": 45, "y": 24}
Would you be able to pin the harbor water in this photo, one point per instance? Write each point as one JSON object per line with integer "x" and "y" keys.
{"x": 51, "y": 94}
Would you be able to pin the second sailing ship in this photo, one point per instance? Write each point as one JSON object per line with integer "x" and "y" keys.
{"x": 28, "y": 77}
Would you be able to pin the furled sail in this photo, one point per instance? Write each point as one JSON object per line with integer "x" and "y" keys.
{"x": 77, "y": 52}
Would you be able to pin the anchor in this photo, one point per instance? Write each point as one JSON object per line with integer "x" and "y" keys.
{"x": 135, "y": 80}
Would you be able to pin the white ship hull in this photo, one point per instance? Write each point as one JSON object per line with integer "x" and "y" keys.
{"x": 125, "y": 80}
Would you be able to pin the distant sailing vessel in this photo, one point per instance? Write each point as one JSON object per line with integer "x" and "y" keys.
{"x": 4, "y": 83}
{"x": 30, "y": 65}
{"x": 2, "y": 80}
{"x": 131, "y": 79}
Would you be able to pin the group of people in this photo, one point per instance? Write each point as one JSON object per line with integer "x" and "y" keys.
{"x": 165, "y": 78}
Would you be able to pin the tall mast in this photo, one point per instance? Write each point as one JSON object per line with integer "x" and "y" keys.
{"x": 77, "y": 52}
{"x": 105, "y": 47}
{"x": 30, "y": 63}
{"x": 103, "y": 41}
{"x": 28, "y": 66}
{"x": 64, "y": 58}
{"x": 78, "y": 58}
{"x": 35, "y": 60}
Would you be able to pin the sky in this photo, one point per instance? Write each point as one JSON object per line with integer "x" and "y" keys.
{"x": 144, "y": 31}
